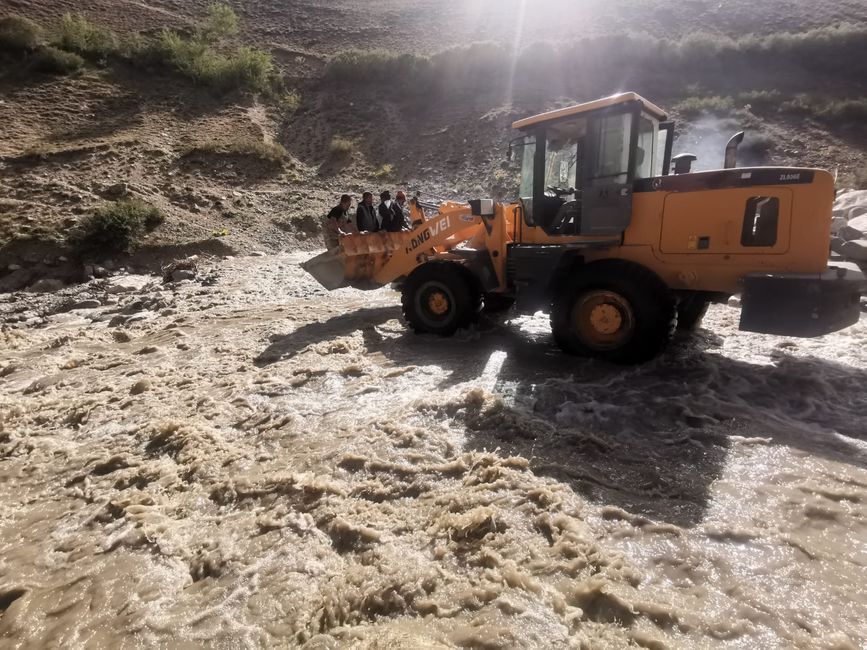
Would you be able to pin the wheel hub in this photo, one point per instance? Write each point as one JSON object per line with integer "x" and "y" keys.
{"x": 438, "y": 303}
{"x": 605, "y": 319}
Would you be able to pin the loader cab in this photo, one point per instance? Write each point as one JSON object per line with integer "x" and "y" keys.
{"x": 579, "y": 164}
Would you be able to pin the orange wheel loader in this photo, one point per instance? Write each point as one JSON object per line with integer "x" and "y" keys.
{"x": 617, "y": 240}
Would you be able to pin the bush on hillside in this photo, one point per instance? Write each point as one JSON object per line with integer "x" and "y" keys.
{"x": 117, "y": 226}
{"x": 714, "y": 105}
{"x": 340, "y": 146}
{"x": 291, "y": 101}
{"x": 362, "y": 66}
{"x": 242, "y": 69}
{"x": 221, "y": 23}
{"x": 761, "y": 99}
{"x": 486, "y": 64}
{"x": 19, "y": 34}
{"x": 75, "y": 33}
{"x": 847, "y": 110}
{"x": 51, "y": 60}
{"x": 271, "y": 153}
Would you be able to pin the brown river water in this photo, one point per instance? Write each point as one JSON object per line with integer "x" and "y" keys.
{"x": 252, "y": 462}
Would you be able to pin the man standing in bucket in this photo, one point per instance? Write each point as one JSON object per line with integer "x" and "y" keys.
{"x": 337, "y": 222}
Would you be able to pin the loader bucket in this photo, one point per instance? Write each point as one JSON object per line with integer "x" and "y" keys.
{"x": 356, "y": 260}
{"x": 327, "y": 269}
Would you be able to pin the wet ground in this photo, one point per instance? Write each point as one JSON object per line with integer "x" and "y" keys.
{"x": 244, "y": 460}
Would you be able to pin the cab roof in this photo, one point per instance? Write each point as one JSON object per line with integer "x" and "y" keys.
{"x": 621, "y": 98}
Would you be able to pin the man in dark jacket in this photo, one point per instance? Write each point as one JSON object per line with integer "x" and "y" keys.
{"x": 390, "y": 213}
{"x": 365, "y": 217}
{"x": 386, "y": 215}
{"x": 400, "y": 209}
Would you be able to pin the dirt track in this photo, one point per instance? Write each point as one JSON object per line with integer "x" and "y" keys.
{"x": 246, "y": 461}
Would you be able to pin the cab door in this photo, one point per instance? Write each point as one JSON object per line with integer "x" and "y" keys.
{"x": 608, "y": 171}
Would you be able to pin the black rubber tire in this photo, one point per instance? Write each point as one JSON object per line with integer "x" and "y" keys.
{"x": 454, "y": 282}
{"x": 653, "y": 311}
{"x": 497, "y": 303}
{"x": 690, "y": 310}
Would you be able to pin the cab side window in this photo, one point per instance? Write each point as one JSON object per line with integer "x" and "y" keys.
{"x": 761, "y": 220}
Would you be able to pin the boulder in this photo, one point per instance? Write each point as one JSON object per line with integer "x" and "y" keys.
{"x": 858, "y": 223}
{"x": 127, "y": 283}
{"x": 837, "y": 244}
{"x": 837, "y": 223}
{"x": 855, "y": 250}
{"x": 46, "y": 285}
{"x": 849, "y": 200}
{"x": 183, "y": 274}
{"x": 87, "y": 304}
{"x": 116, "y": 191}
{"x": 848, "y": 233}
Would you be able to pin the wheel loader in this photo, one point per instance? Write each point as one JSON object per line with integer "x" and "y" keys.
{"x": 617, "y": 240}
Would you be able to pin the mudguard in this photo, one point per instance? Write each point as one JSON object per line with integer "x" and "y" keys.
{"x": 802, "y": 305}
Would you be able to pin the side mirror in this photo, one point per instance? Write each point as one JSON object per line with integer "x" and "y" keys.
{"x": 683, "y": 163}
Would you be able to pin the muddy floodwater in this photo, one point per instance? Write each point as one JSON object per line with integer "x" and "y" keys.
{"x": 246, "y": 461}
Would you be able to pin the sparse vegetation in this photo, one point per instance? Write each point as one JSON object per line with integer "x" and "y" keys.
{"x": 221, "y": 23}
{"x": 271, "y": 153}
{"x": 384, "y": 171}
{"x": 714, "y": 105}
{"x": 244, "y": 68}
{"x": 205, "y": 57}
{"x": 291, "y": 101}
{"x": 340, "y": 146}
{"x": 19, "y": 34}
{"x": 117, "y": 226}
{"x": 52, "y": 60}
{"x": 696, "y": 56}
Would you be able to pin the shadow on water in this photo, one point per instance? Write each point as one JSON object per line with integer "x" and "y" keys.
{"x": 649, "y": 438}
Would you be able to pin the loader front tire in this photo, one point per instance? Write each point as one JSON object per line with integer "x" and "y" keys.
{"x": 439, "y": 298}
{"x": 614, "y": 310}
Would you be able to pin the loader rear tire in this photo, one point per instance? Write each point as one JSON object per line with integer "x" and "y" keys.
{"x": 439, "y": 298}
{"x": 690, "y": 310}
{"x": 614, "y": 310}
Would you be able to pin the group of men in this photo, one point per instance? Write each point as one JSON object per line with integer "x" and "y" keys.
{"x": 389, "y": 216}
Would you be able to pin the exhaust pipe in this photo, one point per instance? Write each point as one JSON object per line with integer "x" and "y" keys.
{"x": 731, "y": 160}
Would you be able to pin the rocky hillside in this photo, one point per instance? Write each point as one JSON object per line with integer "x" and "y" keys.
{"x": 377, "y": 95}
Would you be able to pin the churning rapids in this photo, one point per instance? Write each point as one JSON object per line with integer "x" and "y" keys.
{"x": 247, "y": 461}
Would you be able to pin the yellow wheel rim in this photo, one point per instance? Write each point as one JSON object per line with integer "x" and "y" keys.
{"x": 603, "y": 320}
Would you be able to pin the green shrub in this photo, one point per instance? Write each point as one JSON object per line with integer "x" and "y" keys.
{"x": 291, "y": 101}
{"x": 221, "y": 23}
{"x": 19, "y": 34}
{"x": 340, "y": 146}
{"x": 244, "y": 68}
{"x": 77, "y": 34}
{"x": 50, "y": 60}
{"x": 117, "y": 226}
